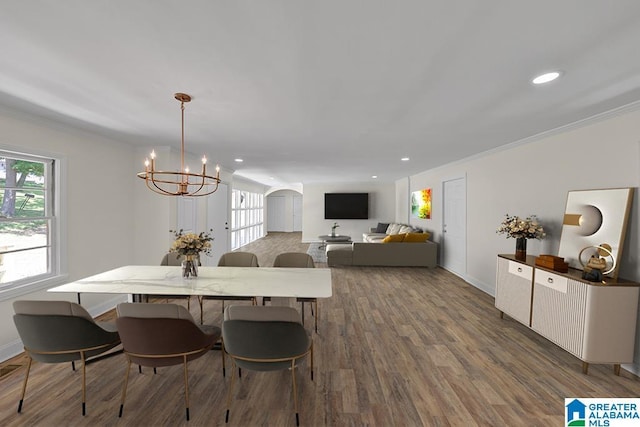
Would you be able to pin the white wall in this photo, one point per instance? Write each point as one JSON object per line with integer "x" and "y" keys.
{"x": 381, "y": 209}
{"x": 534, "y": 178}
{"x": 98, "y": 202}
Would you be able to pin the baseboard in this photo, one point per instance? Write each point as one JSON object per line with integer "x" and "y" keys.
{"x": 634, "y": 368}
{"x": 11, "y": 349}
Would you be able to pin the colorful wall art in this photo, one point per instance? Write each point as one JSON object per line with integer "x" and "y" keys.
{"x": 421, "y": 204}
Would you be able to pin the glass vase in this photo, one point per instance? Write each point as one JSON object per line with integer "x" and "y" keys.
{"x": 521, "y": 249}
{"x": 189, "y": 267}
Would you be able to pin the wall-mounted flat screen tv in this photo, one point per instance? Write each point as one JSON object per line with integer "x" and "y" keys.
{"x": 346, "y": 205}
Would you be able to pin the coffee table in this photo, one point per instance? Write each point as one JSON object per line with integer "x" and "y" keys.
{"x": 338, "y": 238}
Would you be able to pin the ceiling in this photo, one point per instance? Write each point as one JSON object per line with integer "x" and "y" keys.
{"x": 320, "y": 91}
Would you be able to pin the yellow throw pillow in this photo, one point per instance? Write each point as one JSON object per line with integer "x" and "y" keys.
{"x": 393, "y": 238}
{"x": 416, "y": 237}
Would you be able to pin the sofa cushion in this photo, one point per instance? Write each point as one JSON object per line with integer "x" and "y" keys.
{"x": 382, "y": 227}
{"x": 393, "y": 238}
{"x": 416, "y": 237}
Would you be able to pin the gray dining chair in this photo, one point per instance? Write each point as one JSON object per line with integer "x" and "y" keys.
{"x": 231, "y": 259}
{"x": 158, "y": 335}
{"x": 60, "y": 332}
{"x": 265, "y": 338}
{"x": 298, "y": 260}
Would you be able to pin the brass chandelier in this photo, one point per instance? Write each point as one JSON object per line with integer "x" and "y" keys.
{"x": 183, "y": 183}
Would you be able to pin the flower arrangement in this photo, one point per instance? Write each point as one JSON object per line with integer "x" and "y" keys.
{"x": 190, "y": 244}
{"x": 517, "y": 227}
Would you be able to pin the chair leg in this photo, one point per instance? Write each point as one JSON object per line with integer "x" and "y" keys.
{"x": 224, "y": 371}
{"x": 140, "y": 369}
{"x": 189, "y": 303}
{"x": 24, "y": 384}
{"x": 201, "y": 302}
{"x": 317, "y": 314}
{"x": 124, "y": 388}
{"x": 233, "y": 377}
{"x": 295, "y": 391}
{"x": 73, "y": 365}
{"x": 311, "y": 360}
{"x": 84, "y": 383}
{"x": 186, "y": 384}
{"x": 303, "y": 313}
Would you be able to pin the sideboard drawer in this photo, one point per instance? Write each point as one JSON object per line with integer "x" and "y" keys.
{"x": 550, "y": 280}
{"x": 521, "y": 270}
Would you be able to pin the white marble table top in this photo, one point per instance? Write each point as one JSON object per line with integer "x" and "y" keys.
{"x": 212, "y": 281}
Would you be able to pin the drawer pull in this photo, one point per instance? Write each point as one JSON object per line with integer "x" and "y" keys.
{"x": 550, "y": 280}
{"x": 519, "y": 269}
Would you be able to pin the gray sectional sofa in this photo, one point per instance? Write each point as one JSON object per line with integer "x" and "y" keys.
{"x": 373, "y": 252}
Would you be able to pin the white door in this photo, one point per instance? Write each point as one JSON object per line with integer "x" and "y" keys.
{"x": 297, "y": 213}
{"x": 454, "y": 226}
{"x": 218, "y": 220}
{"x": 187, "y": 214}
{"x": 276, "y": 211}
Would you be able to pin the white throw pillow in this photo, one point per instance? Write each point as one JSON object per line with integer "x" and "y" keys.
{"x": 393, "y": 228}
{"x": 404, "y": 229}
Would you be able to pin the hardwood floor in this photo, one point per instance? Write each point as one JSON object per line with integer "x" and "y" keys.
{"x": 396, "y": 346}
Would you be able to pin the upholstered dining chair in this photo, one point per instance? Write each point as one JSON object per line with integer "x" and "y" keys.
{"x": 299, "y": 260}
{"x": 157, "y": 335}
{"x": 231, "y": 259}
{"x": 174, "y": 259}
{"x": 265, "y": 338}
{"x": 60, "y": 332}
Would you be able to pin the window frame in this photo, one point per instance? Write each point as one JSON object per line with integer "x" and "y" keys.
{"x": 56, "y": 256}
{"x": 247, "y": 217}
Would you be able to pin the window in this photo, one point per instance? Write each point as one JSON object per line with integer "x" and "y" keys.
{"x": 28, "y": 250}
{"x": 247, "y": 217}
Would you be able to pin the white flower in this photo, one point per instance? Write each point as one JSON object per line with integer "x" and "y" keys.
{"x": 516, "y": 227}
{"x": 191, "y": 243}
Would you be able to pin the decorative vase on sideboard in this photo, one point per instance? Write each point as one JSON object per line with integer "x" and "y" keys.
{"x": 521, "y": 249}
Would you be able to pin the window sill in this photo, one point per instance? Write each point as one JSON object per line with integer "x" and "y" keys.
{"x": 31, "y": 287}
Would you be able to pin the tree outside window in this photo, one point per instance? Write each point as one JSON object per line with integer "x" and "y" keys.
{"x": 25, "y": 218}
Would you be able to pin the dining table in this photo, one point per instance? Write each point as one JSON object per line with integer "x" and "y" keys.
{"x": 141, "y": 281}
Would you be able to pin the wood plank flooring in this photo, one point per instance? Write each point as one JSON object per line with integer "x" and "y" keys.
{"x": 396, "y": 346}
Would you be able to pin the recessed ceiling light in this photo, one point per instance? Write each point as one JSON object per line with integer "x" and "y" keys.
{"x": 374, "y": 176}
{"x": 546, "y": 78}
{"x": 239, "y": 160}
{"x": 405, "y": 159}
